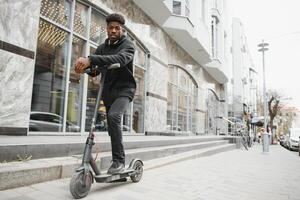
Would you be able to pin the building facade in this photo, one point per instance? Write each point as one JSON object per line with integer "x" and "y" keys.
{"x": 179, "y": 65}
{"x": 244, "y": 75}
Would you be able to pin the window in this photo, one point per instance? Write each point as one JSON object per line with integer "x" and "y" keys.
{"x": 97, "y": 28}
{"x": 92, "y": 91}
{"x": 58, "y": 11}
{"x": 225, "y": 45}
{"x": 187, "y": 8}
{"x": 80, "y": 19}
{"x": 215, "y": 4}
{"x": 181, "y": 7}
{"x": 75, "y": 93}
{"x": 50, "y": 69}
{"x": 139, "y": 101}
{"x": 214, "y": 37}
{"x": 181, "y": 101}
{"x": 140, "y": 56}
{"x": 177, "y": 7}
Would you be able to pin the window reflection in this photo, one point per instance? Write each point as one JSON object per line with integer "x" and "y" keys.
{"x": 172, "y": 108}
{"x": 139, "y": 101}
{"x": 49, "y": 77}
{"x": 182, "y": 111}
{"x": 173, "y": 74}
{"x": 184, "y": 80}
{"x": 97, "y": 28}
{"x": 80, "y": 19}
{"x": 58, "y": 11}
{"x": 93, "y": 88}
{"x": 75, "y": 84}
{"x": 140, "y": 57}
{"x": 212, "y": 110}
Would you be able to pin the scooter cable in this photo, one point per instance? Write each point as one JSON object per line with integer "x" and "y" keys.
{"x": 97, "y": 149}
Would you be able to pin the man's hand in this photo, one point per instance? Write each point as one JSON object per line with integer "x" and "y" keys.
{"x": 81, "y": 64}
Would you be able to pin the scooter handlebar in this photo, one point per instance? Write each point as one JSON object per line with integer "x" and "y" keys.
{"x": 112, "y": 66}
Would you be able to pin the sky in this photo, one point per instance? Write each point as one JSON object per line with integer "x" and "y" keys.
{"x": 278, "y": 23}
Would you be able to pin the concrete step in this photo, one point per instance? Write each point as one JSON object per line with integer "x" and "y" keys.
{"x": 163, "y": 151}
{"x": 198, "y": 153}
{"x": 17, "y": 174}
{"x": 37, "y": 147}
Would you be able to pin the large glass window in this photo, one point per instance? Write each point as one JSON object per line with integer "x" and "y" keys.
{"x": 181, "y": 114}
{"x": 50, "y": 75}
{"x": 58, "y": 92}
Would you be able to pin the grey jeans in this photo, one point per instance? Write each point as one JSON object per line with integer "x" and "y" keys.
{"x": 114, "y": 114}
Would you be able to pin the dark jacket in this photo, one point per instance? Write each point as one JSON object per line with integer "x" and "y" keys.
{"x": 118, "y": 82}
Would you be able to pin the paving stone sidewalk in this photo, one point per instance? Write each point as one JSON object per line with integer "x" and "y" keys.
{"x": 233, "y": 175}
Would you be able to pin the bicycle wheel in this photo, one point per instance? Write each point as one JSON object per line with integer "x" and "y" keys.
{"x": 250, "y": 143}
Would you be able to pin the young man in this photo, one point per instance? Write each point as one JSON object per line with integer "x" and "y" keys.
{"x": 119, "y": 86}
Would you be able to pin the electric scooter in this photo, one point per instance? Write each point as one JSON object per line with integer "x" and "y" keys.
{"x": 85, "y": 175}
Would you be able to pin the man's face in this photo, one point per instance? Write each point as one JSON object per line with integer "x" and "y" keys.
{"x": 114, "y": 31}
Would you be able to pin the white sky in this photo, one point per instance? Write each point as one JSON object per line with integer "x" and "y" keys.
{"x": 273, "y": 21}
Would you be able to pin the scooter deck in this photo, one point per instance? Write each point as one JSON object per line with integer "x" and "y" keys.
{"x": 104, "y": 178}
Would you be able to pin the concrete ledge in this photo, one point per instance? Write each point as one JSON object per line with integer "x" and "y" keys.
{"x": 13, "y": 131}
{"x": 11, "y": 152}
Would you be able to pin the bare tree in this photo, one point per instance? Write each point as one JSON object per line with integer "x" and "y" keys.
{"x": 273, "y": 106}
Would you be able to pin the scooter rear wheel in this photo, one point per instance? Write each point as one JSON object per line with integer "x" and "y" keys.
{"x": 138, "y": 171}
{"x": 80, "y": 186}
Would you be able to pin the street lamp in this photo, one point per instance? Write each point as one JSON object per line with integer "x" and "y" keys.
{"x": 263, "y": 48}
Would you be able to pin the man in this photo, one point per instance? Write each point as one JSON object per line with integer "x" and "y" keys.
{"x": 119, "y": 85}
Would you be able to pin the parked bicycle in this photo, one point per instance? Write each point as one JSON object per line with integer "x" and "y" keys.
{"x": 239, "y": 129}
{"x": 244, "y": 138}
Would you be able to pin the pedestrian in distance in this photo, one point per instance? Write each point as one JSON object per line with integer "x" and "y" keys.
{"x": 260, "y": 133}
{"x": 119, "y": 85}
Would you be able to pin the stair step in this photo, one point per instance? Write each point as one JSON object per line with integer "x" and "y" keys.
{"x": 159, "y": 162}
{"x": 17, "y": 174}
{"x": 158, "y": 152}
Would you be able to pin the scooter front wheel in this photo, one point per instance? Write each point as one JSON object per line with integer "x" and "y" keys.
{"x": 138, "y": 171}
{"x": 80, "y": 185}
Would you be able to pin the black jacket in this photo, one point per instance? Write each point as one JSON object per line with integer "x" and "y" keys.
{"x": 118, "y": 82}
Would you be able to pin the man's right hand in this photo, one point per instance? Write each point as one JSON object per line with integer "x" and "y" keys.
{"x": 81, "y": 64}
